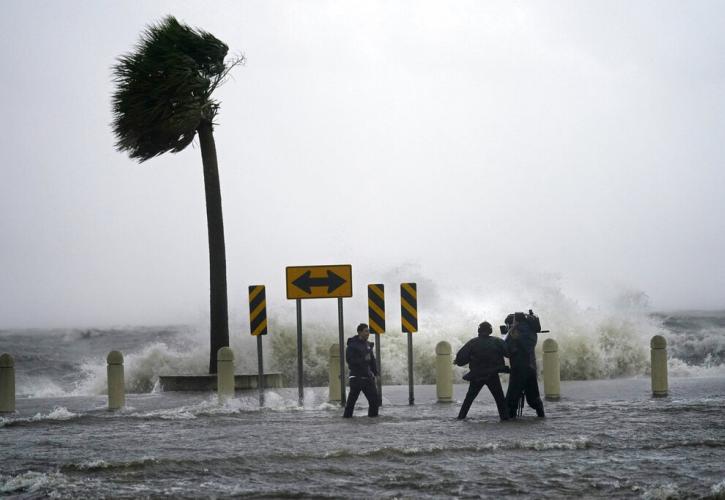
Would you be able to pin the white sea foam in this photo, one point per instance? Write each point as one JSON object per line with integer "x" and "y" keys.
{"x": 39, "y": 387}
{"x": 577, "y": 443}
{"x": 33, "y": 482}
{"x": 99, "y": 464}
{"x": 678, "y": 368}
{"x": 611, "y": 340}
{"x": 718, "y": 490}
{"x": 58, "y": 413}
{"x": 668, "y": 491}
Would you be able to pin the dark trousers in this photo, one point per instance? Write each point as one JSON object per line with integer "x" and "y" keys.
{"x": 494, "y": 385}
{"x": 523, "y": 380}
{"x": 367, "y": 386}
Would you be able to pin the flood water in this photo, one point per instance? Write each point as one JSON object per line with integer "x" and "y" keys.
{"x": 605, "y": 438}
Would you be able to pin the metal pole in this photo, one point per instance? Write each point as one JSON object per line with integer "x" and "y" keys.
{"x": 380, "y": 373}
{"x": 411, "y": 398}
{"x": 260, "y": 370}
{"x": 299, "y": 352}
{"x": 342, "y": 352}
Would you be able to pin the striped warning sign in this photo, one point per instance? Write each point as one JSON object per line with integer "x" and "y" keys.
{"x": 257, "y": 310}
{"x": 376, "y": 308}
{"x": 409, "y": 307}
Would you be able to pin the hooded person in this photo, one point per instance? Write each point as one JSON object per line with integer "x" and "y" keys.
{"x": 362, "y": 370}
{"x": 484, "y": 356}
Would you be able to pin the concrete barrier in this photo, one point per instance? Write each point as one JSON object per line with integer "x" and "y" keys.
{"x": 334, "y": 371}
{"x": 444, "y": 372}
{"x": 658, "y": 346}
{"x": 116, "y": 383}
{"x": 552, "y": 375}
{"x": 7, "y": 383}
{"x": 225, "y": 373}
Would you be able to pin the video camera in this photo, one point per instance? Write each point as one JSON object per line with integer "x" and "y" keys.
{"x": 531, "y": 319}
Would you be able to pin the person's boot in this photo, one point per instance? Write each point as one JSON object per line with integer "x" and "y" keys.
{"x": 540, "y": 410}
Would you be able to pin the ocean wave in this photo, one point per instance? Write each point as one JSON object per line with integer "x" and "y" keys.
{"x": 717, "y": 491}
{"x": 578, "y": 443}
{"x": 667, "y": 491}
{"x": 698, "y": 443}
{"x": 59, "y": 413}
{"x": 100, "y": 464}
{"x": 32, "y": 482}
{"x": 609, "y": 341}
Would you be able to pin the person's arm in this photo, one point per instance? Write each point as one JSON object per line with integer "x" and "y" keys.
{"x": 529, "y": 341}
{"x": 505, "y": 349}
{"x": 511, "y": 342}
{"x": 353, "y": 357}
{"x": 463, "y": 356}
{"x": 373, "y": 362}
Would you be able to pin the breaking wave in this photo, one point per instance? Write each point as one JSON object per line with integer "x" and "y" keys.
{"x": 611, "y": 340}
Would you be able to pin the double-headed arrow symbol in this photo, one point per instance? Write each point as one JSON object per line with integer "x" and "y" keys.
{"x": 306, "y": 282}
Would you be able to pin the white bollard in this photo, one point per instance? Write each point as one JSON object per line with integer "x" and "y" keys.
{"x": 116, "y": 384}
{"x": 334, "y": 371}
{"x": 225, "y": 373}
{"x": 444, "y": 372}
{"x": 658, "y": 345}
{"x": 7, "y": 383}
{"x": 551, "y": 370}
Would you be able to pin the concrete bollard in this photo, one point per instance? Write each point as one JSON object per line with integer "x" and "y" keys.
{"x": 225, "y": 373}
{"x": 334, "y": 371}
{"x": 7, "y": 383}
{"x": 444, "y": 372}
{"x": 658, "y": 345}
{"x": 551, "y": 370}
{"x": 116, "y": 383}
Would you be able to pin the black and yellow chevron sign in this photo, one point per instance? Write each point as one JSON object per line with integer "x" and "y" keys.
{"x": 376, "y": 308}
{"x": 409, "y": 307}
{"x": 257, "y": 310}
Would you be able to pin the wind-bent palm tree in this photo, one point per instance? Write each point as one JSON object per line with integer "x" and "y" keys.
{"x": 162, "y": 100}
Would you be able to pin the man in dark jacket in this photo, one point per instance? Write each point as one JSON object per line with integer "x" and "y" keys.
{"x": 521, "y": 341}
{"x": 363, "y": 370}
{"x": 484, "y": 355}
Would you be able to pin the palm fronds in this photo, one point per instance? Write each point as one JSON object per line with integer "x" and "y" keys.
{"x": 164, "y": 87}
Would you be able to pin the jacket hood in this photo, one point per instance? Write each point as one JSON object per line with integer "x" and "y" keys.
{"x": 355, "y": 338}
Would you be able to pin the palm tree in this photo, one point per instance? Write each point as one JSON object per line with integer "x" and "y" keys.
{"x": 162, "y": 100}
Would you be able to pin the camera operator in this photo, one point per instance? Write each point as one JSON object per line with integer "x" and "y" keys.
{"x": 484, "y": 355}
{"x": 521, "y": 341}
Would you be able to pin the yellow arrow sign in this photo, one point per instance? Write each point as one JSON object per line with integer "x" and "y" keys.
{"x": 319, "y": 282}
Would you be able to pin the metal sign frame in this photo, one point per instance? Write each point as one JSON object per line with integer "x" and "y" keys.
{"x": 308, "y": 282}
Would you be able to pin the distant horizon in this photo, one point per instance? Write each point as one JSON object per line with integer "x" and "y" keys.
{"x": 682, "y": 312}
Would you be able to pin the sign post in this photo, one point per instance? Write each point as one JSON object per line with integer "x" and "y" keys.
{"x": 319, "y": 282}
{"x": 342, "y": 352}
{"x": 300, "y": 390}
{"x": 409, "y": 323}
{"x": 376, "y": 320}
{"x": 258, "y": 327}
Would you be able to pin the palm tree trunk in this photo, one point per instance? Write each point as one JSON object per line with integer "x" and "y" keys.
{"x": 219, "y": 333}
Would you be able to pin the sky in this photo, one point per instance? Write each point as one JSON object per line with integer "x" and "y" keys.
{"x": 473, "y": 146}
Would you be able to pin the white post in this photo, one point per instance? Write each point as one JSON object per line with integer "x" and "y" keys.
{"x": 551, "y": 370}
{"x": 444, "y": 372}
{"x": 116, "y": 384}
{"x": 7, "y": 383}
{"x": 334, "y": 371}
{"x": 225, "y": 373}
{"x": 658, "y": 345}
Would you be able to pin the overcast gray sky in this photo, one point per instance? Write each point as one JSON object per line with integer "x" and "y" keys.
{"x": 466, "y": 143}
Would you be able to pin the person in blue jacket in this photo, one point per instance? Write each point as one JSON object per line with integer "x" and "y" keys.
{"x": 362, "y": 370}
